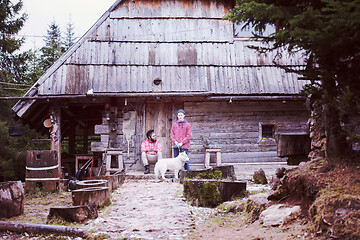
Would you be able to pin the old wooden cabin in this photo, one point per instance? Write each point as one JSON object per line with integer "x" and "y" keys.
{"x": 145, "y": 59}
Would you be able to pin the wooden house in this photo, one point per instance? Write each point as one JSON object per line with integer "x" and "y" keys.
{"x": 145, "y": 59}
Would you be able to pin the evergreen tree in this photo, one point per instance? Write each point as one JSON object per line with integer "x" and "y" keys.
{"x": 12, "y": 63}
{"x": 14, "y": 76}
{"x": 53, "y": 48}
{"x": 69, "y": 35}
{"x": 328, "y": 32}
{"x": 34, "y": 69}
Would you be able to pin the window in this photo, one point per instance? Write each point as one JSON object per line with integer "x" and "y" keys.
{"x": 267, "y": 131}
{"x": 114, "y": 161}
{"x": 247, "y": 32}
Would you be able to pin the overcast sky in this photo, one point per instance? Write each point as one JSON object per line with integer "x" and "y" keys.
{"x": 83, "y": 14}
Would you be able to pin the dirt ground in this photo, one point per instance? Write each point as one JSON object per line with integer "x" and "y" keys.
{"x": 144, "y": 209}
{"x": 235, "y": 227}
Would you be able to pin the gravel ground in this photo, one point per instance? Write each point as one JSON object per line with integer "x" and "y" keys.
{"x": 144, "y": 209}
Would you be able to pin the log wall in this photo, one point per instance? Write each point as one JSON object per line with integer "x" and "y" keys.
{"x": 116, "y": 140}
{"x": 236, "y": 128}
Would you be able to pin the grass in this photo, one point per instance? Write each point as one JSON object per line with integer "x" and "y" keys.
{"x": 37, "y": 206}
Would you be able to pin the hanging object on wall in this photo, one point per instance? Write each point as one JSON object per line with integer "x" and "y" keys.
{"x": 47, "y": 123}
{"x": 129, "y": 123}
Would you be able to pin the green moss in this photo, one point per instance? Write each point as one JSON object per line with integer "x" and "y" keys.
{"x": 252, "y": 210}
{"x": 235, "y": 206}
{"x": 337, "y": 211}
{"x": 97, "y": 236}
{"x": 210, "y": 194}
{"x": 210, "y": 175}
{"x": 59, "y": 221}
{"x": 203, "y": 193}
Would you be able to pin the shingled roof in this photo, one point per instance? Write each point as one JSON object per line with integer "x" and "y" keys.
{"x": 189, "y": 47}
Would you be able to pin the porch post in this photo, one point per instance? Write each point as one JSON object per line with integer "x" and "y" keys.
{"x": 85, "y": 140}
{"x": 55, "y": 134}
{"x": 72, "y": 138}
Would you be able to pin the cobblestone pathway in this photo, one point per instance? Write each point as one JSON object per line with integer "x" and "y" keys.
{"x": 146, "y": 210}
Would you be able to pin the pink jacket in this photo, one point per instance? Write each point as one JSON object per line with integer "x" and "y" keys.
{"x": 151, "y": 147}
{"x": 181, "y": 132}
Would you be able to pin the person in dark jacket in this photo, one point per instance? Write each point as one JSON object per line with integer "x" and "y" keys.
{"x": 181, "y": 135}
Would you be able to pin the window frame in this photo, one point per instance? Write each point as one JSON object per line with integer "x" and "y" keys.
{"x": 267, "y": 140}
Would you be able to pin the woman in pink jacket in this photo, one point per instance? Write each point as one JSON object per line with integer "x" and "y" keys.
{"x": 181, "y": 136}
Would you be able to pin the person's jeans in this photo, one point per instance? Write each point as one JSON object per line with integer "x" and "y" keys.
{"x": 176, "y": 153}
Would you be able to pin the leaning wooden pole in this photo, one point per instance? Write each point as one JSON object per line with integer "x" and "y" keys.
{"x": 42, "y": 229}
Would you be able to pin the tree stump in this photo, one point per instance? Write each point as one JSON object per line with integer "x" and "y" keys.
{"x": 74, "y": 214}
{"x": 210, "y": 193}
{"x": 98, "y": 196}
{"x": 11, "y": 199}
{"x": 231, "y": 189}
{"x": 227, "y": 172}
{"x": 202, "y": 193}
{"x": 114, "y": 181}
{"x": 91, "y": 183}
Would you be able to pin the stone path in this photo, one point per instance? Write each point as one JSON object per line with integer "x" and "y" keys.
{"x": 143, "y": 209}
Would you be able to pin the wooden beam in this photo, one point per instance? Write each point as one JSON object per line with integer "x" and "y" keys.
{"x": 41, "y": 229}
{"x": 85, "y": 140}
{"x": 72, "y": 135}
{"x": 55, "y": 133}
{"x": 257, "y": 98}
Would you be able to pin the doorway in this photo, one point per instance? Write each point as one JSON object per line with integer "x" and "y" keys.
{"x": 158, "y": 116}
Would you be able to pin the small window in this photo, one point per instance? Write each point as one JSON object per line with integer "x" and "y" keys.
{"x": 267, "y": 131}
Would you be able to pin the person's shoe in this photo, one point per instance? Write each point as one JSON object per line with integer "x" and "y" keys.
{"x": 147, "y": 169}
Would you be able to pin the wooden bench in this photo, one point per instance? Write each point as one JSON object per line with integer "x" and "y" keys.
{"x": 217, "y": 152}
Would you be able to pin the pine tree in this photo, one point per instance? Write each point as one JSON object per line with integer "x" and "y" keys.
{"x": 14, "y": 76}
{"x": 53, "y": 48}
{"x": 34, "y": 69}
{"x": 328, "y": 32}
{"x": 69, "y": 35}
{"x": 12, "y": 64}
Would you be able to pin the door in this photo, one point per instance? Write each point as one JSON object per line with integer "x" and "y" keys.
{"x": 158, "y": 116}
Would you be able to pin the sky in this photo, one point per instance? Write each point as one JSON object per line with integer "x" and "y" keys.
{"x": 83, "y": 14}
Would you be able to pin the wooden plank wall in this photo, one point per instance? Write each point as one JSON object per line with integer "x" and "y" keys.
{"x": 133, "y": 161}
{"x": 235, "y": 128}
{"x": 173, "y": 8}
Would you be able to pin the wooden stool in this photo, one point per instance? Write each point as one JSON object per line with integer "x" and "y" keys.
{"x": 114, "y": 157}
{"x": 217, "y": 152}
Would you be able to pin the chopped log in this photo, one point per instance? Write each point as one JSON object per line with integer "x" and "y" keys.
{"x": 74, "y": 214}
{"x": 11, "y": 199}
{"x": 98, "y": 196}
{"x": 41, "y": 229}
